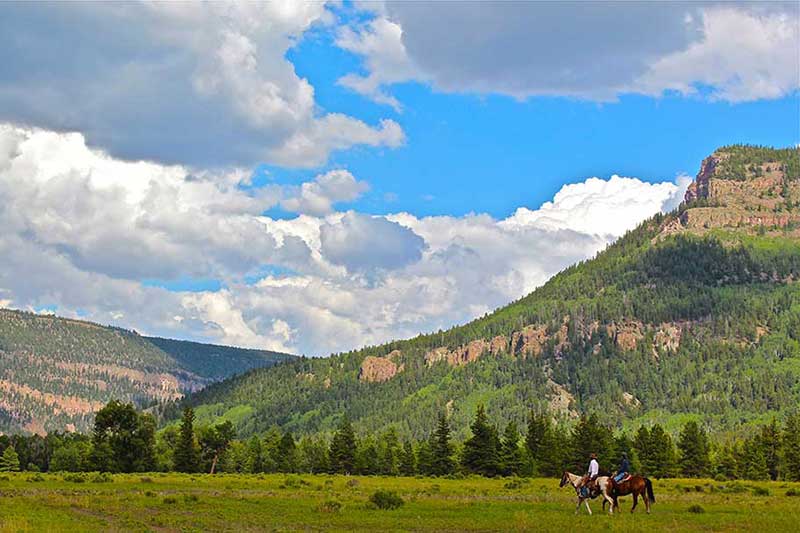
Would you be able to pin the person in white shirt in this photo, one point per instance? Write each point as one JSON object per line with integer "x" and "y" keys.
{"x": 594, "y": 469}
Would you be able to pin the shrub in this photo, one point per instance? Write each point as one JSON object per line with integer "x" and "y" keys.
{"x": 352, "y": 483}
{"x": 514, "y": 484}
{"x": 146, "y": 479}
{"x": 760, "y": 491}
{"x": 793, "y": 492}
{"x": 697, "y": 509}
{"x": 385, "y": 499}
{"x": 170, "y": 500}
{"x": 38, "y": 478}
{"x": 190, "y": 498}
{"x": 74, "y": 478}
{"x": 102, "y": 477}
{"x": 329, "y": 506}
{"x": 149, "y": 493}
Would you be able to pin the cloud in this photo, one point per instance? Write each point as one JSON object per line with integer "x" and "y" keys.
{"x": 317, "y": 197}
{"x": 86, "y": 234}
{"x": 594, "y": 51}
{"x": 200, "y": 84}
{"x": 365, "y": 243}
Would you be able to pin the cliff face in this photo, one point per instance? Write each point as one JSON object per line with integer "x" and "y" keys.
{"x": 740, "y": 187}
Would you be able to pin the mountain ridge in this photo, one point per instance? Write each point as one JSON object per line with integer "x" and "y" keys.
{"x": 56, "y": 372}
{"x": 622, "y": 333}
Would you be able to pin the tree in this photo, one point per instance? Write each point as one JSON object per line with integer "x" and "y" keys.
{"x": 408, "y": 462}
{"x": 771, "y": 442}
{"x": 123, "y": 440}
{"x": 655, "y": 451}
{"x": 791, "y": 447}
{"x": 343, "y": 448}
{"x": 545, "y": 444}
{"x": 590, "y": 436}
{"x": 186, "y": 456}
{"x": 255, "y": 461}
{"x": 511, "y": 456}
{"x": 214, "y": 441}
{"x": 694, "y": 453}
{"x": 481, "y": 453}
{"x": 441, "y": 449}
{"x": 9, "y": 461}
{"x": 287, "y": 454}
{"x": 752, "y": 460}
{"x": 313, "y": 455}
{"x": 425, "y": 457}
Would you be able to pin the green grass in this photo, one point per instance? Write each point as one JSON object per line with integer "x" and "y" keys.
{"x": 177, "y": 502}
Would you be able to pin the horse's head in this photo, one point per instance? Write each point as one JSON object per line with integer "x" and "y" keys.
{"x": 564, "y": 479}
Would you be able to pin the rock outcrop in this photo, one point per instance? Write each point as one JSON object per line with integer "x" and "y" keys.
{"x": 378, "y": 369}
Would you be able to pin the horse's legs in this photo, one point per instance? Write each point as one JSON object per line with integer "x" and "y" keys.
{"x": 635, "y": 501}
{"x": 586, "y": 501}
{"x": 646, "y": 502}
{"x": 578, "y": 507}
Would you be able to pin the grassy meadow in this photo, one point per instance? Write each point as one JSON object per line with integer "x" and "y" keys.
{"x": 178, "y": 502}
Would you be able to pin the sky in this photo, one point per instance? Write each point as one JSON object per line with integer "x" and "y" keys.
{"x": 316, "y": 177}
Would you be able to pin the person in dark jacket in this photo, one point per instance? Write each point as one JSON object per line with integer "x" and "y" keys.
{"x": 624, "y": 467}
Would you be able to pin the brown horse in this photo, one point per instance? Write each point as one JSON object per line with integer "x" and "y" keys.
{"x": 636, "y": 485}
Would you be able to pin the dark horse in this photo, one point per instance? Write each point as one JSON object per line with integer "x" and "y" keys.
{"x": 636, "y": 485}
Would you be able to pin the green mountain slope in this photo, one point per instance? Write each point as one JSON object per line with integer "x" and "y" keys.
{"x": 56, "y": 372}
{"x": 695, "y": 313}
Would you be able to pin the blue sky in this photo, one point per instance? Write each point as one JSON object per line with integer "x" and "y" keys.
{"x": 311, "y": 177}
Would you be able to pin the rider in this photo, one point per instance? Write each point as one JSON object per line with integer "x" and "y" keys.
{"x": 624, "y": 467}
{"x": 591, "y": 475}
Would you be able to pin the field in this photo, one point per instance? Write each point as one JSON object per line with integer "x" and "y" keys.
{"x": 175, "y": 502}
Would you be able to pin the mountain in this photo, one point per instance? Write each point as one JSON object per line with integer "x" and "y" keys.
{"x": 56, "y": 372}
{"x": 695, "y": 313}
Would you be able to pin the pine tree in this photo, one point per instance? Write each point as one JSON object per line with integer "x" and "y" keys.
{"x": 408, "y": 462}
{"x": 726, "y": 464}
{"x": 588, "y": 437}
{"x": 343, "y": 449}
{"x": 663, "y": 452}
{"x": 791, "y": 447}
{"x": 752, "y": 460}
{"x": 255, "y": 462}
{"x": 481, "y": 453}
{"x": 186, "y": 455}
{"x": 367, "y": 457}
{"x": 511, "y": 455}
{"x": 546, "y": 445}
{"x": 9, "y": 461}
{"x": 441, "y": 449}
{"x": 287, "y": 454}
{"x": 693, "y": 445}
{"x": 425, "y": 457}
{"x": 771, "y": 442}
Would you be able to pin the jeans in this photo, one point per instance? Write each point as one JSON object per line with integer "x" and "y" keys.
{"x": 619, "y": 476}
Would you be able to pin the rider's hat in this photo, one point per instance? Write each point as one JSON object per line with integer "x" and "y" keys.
{"x": 593, "y": 456}
{"x": 625, "y": 455}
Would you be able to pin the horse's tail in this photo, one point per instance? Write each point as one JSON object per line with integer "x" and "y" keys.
{"x": 649, "y": 485}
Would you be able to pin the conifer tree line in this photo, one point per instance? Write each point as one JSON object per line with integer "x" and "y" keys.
{"x": 125, "y": 440}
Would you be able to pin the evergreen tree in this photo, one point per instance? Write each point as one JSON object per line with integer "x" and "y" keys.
{"x": 408, "y": 462}
{"x": 442, "y": 462}
{"x": 367, "y": 457}
{"x": 694, "y": 453}
{"x": 425, "y": 457}
{"x": 389, "y": 451}
{"x": 511, "y": 455}
{"x": 752, "y": 460}
{"x": 546, "y": 445}
{"x": 255, "y": 457}
{"x": 286, "y": 459}
{"x": 624, "y": 444}
{"x": 343, "y": 449}
{"x": 590, "y": 436}
{"x": 725, "y": 462}
{"x": 771, "y": 442}
{"x": 791, "y": 447}
{"x": 185, "y": 457}
{"x": 313, "y": 456}
{"x": 481, "y": 454}
{"x": 9, "y": 461}
{"x": 655, "y": 451}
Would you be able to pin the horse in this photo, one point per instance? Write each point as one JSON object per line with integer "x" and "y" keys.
{"x": 602, "y": 484}
{"x": 636, "y": 485}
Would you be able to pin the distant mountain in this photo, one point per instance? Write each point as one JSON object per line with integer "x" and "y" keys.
{"x": 693, "y": 314}
{"x": 56, "y": 372}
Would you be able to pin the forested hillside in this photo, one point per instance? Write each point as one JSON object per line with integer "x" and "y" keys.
{"x": 56, "y": 372}
{"x": 694, "y": 314}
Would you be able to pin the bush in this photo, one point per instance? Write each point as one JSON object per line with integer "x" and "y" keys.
{"x": 760, "y": 491}
{"x": 385, "y": 499}
{"x": 74, "y": 478}
{"x": 190, "y": 498}
{"x": 697, "y": 509}
{"x": 102, "y": 477}
{"x": 170, "y": 500}
{"x": 149, "y": 493}
{"x": 352, "y": 483}
{"x": 329, "y": 506}
{"x": 146, "y": 479}
{"x": 516, "y": 483}
{"x": 38, "y": 478}
{"x": 793, "y": 492}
